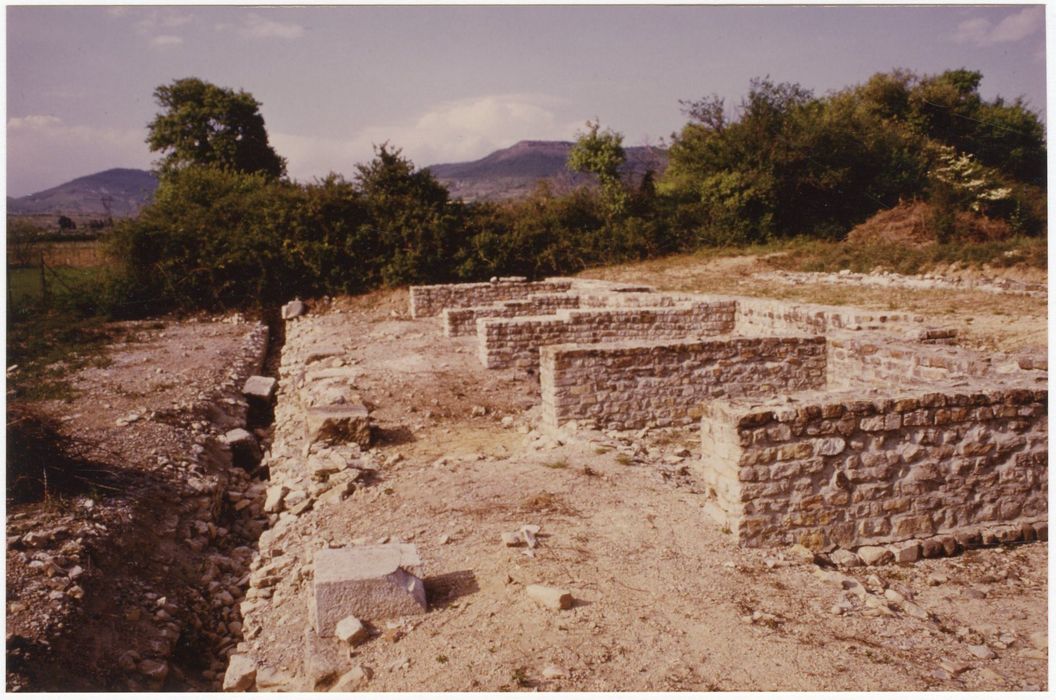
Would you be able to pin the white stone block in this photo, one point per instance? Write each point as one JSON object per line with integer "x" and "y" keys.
{"x": 369, "y": 582}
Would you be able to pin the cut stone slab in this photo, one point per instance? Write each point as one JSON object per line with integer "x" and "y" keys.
{"x": 339, "y": 424}
{"x": 257, "y": 387}
{"x": 245, "y": 451}
{"x": 370, "y": 582}
{"x": 294, "y": 309}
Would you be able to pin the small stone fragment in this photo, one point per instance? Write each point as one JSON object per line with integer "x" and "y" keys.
{"x": 154, "y": 670}
{"x": 241, "y": 673}
{"x": 353, "y": 679}
{"x": 553, "y": 598}
{"x": 352, "y": 631}
{"x": 844, "y": 559}
{"x": 873, "y": 556}
{"x": 955, "y": 668}
{"x": 981, "y": 651}
{"x": 552, "y": 671}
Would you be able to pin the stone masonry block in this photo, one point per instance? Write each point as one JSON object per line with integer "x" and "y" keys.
{"x": 370, "y": 582}
{"x": 342, "y": 423}
{"x": 257, "y": 387}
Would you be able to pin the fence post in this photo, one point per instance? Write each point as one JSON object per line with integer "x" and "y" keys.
{"x": 43, "y": 281}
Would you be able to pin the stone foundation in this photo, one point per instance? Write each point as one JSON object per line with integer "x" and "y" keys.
{"x": 431, "y": 300}
{"x": 868, "y": 427}
{"x": 505, "y": 343}
{"x": 459, "y": 322}
{"x": 837, "y": 469}
{"x": 656, "y": 384}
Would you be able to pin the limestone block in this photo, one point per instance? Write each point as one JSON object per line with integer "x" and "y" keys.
{"x": 339, "y": 424}
{"x": 245, "y": 450}
{"x": 294, "y": 309}
{"x": 369, "y": 582}
{"x": 257, "y": 387}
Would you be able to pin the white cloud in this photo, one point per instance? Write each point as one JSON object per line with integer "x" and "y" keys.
{"x": 165, "y": 41}
{"x": 32, "y": 121}
{"x": 1014, "y": 27}
{"x": 449, "y": 132}
{"x": 43, "y": 151}
{"x": 257, "y": 27}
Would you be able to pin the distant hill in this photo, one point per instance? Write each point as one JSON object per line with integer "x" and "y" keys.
{"x": 513, "y": 172}
{"x": 126, "y": 189}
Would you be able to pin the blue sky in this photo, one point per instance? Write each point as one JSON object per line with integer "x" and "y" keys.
{"x": 454, "y": 83}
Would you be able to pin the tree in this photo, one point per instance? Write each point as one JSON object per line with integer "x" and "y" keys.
{"x": 601, "y": 153}
{"x": 66, "y": 223}
{"x": 203, "y": 124}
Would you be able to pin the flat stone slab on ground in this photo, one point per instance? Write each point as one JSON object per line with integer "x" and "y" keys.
{"x": 342, "y": 423}
{"x": 370, "y": 582}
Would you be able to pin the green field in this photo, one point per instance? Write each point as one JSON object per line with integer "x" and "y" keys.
{"x": 24, "y": 284}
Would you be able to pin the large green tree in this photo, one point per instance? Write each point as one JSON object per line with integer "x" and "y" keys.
{"x": 601, "y": 153}
{"x": 202, "y": 124}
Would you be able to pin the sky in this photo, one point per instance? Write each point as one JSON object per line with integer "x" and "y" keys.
{"x": 453, "y": 83}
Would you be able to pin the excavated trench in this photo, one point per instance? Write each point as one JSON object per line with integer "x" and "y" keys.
{"x": 166, "y": 564}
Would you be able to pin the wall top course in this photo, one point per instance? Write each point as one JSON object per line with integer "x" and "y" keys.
{"x": 633, "y": 347}
{"x": 748, "y": 412}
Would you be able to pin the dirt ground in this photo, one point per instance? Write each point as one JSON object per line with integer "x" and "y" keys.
{"x": 103, "y": 588}
{"x": 665, "y": 601}
{"x": 984, "y": 320}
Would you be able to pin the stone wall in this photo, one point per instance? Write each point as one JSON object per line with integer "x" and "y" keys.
{"x": 458, "y": 322}
{"x": 837, "y": 469}
{"x": 515, "y": 342}
{"x": 769, "y": 317}
{"x": 633, "y": 385}
{"x": 432, "y": 299}
{"x": 857, "y": 360}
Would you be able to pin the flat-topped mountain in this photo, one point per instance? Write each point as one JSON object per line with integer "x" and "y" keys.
{"x": 513, "y": 172}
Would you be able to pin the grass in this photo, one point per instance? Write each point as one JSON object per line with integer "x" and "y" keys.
{"x": 807, "y": 255}
{"x": 624, "y": 460}
{"x": 24, "y": 284}
{"x": 48, "y": 347}
{"x": 556, "y": 464}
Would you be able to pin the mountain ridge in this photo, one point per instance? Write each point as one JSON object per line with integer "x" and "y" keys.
{"x": 117, "y": 192}
{"x": 513, "y": 172}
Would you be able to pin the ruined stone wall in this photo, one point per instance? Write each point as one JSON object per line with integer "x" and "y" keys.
{"x": 633, "y": 385}
{"x": 431, "y": 300}
{"x": 515, "y": 342}
{"x": 458, "y": 322}
{"x": 770, "y": 317}
{"x": 881, "y": 361}
{"x": 837, "y": 469}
